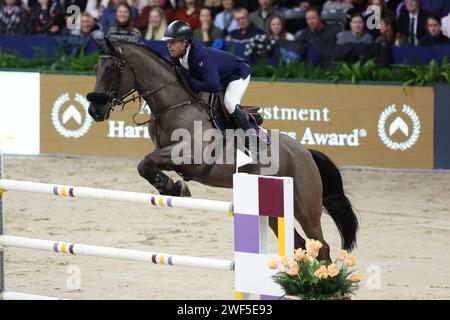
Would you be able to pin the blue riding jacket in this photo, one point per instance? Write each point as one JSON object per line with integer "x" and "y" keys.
{"x": 211, "y": 70}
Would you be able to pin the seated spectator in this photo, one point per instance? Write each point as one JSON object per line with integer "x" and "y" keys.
{"x": 434, "y": 36}
{"x": 341, "y": 5}
{"x": 260, "y": 18}
{"x": 94, "y": 8}
{"x": 387, "y": 30}
{"x": 123, "y": 29}
{"x": 109, "y": 14}
{"x": 433, "y": 6}
{"x": 46, "y": 17}
{"x": 214, "y": 5}
{"x": 316, "y": 33}
{"x": 207, "y": 31}
{"x": 356, "y": 34}
{"x": 80, "y": 3}
{"x": 445, "y": 22}
{"x": 250, "y": 5}
{"x": 138, "y": 4}
{"x": 277, "y": 28}
{"x": 374, "y": 7}
{"x": 246, "y": 29}
{"x": 411, "y": 23}
{"x": 190, "y": 12}
{"x": 13, "y": 19}
{"x": 306, "y": 4}
{"x": 88, "y": 28}
{"x": 381, "y": 4}
{"x": 225, "y": 20}
{"x": 143, "y": 20}
{"x": 157, "y": 23}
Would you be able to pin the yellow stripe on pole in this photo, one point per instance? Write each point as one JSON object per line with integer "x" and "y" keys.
{"x": 63, "y": 247}
{"x": 161, "y": 259}
{"x": 281, "y": 252}
{"x": 63, "y": 191}
{"x": 238, "y": 295}
{"x": 161, "y": 201}
{"x": 2, "y": 191}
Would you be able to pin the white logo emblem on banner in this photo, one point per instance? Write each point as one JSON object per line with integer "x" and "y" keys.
{"x": 64, "y": 112}
{"x": 398, "y": 125}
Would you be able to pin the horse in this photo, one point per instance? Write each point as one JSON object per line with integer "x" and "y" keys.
{"x": 125, "y": 67}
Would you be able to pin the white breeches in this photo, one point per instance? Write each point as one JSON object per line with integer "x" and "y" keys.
{"x": 234, "y": 93}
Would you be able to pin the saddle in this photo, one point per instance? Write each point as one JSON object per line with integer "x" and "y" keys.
{"x": 220, "y": 117}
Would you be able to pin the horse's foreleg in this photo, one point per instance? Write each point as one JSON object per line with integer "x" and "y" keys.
{"x": 150, "y": 169}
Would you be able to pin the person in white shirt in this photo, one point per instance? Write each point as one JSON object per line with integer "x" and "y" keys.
{"x": 225, "y": 20}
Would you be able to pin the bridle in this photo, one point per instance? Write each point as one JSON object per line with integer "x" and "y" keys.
{"x": 112, "y": 96}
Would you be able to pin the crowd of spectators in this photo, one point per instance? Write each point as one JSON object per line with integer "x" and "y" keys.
{"x": 305, "y": 22}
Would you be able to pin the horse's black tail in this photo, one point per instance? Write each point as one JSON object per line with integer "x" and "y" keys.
{"x": 335, "y": 201}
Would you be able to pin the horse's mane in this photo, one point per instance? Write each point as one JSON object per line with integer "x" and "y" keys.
{"x": 148, "y": 49}
{"x": 173, "y": 67}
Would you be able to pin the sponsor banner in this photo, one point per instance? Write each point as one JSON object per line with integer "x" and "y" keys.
{"x": 67, "y": 128}
{"x": 370, "y": 125}
{"x": 442, "y": 127}
{"x": 19, "y": 112}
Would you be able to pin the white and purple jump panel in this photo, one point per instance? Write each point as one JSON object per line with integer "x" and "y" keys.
{"x": 256, "y": 199}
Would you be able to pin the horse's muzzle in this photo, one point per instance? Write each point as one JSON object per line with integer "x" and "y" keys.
{"x": 97, "y": 98}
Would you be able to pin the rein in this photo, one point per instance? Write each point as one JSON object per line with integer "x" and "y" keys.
{"x": 122, "y": 101}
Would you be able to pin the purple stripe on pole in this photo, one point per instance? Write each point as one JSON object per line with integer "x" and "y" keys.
{"x": 71, "y": 248}
{"x": 55, "y": 190}
{"x": 169, "y": 202}
{"x": 266, "y": 297}
{"x": 154, "y": 259}
{"x": 170, "y": 260}
{"x": 153, "y": 201}
{"x": 246, "y": 233}
{"x": 55, "y": 247}
{"x": 271, "y": 197}
{"x": 71, "y": 192}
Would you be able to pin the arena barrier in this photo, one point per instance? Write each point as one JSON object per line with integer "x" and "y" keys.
{"x": 255, "y": 200}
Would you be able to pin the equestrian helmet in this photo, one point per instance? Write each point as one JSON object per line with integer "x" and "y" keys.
{"x": 178, "y": 30}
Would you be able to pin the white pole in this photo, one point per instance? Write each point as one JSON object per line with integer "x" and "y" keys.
{"x": 105, "y": 194}
{"x": 116, "y": 253}
{"x": 11, "y": 295}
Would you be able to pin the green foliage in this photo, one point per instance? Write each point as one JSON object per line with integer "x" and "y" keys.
{"x": 40, "y": 61}
{"x": 306, "y": 285}
{"x": 418, "y": 75}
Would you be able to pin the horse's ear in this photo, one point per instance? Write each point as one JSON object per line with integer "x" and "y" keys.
{"x": 99, "y": 45}
{"x": 110, "y": 45}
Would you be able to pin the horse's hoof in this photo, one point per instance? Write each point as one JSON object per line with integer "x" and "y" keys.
{"x": 185, "y": 192}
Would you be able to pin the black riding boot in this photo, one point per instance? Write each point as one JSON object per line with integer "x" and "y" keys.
{"x": 240, "y": 120}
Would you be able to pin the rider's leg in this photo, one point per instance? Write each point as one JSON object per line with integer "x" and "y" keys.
{"x": 232, "y": 99}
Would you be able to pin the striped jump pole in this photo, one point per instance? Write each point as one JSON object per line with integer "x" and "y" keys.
{"x": 105, "y": 194}
{"x": 116, "y": 253}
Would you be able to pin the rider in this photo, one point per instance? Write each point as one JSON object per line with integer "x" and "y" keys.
{"x": 210, "y": 70}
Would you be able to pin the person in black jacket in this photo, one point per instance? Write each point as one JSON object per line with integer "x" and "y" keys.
{"x": 411, "y": 23}
{"x": 434, "y": 36}
{"x": 316, "y": 34}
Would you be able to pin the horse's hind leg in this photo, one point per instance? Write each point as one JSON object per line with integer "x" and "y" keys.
{"x": 308, "y": 215}
{"x": 299, "y": 242}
